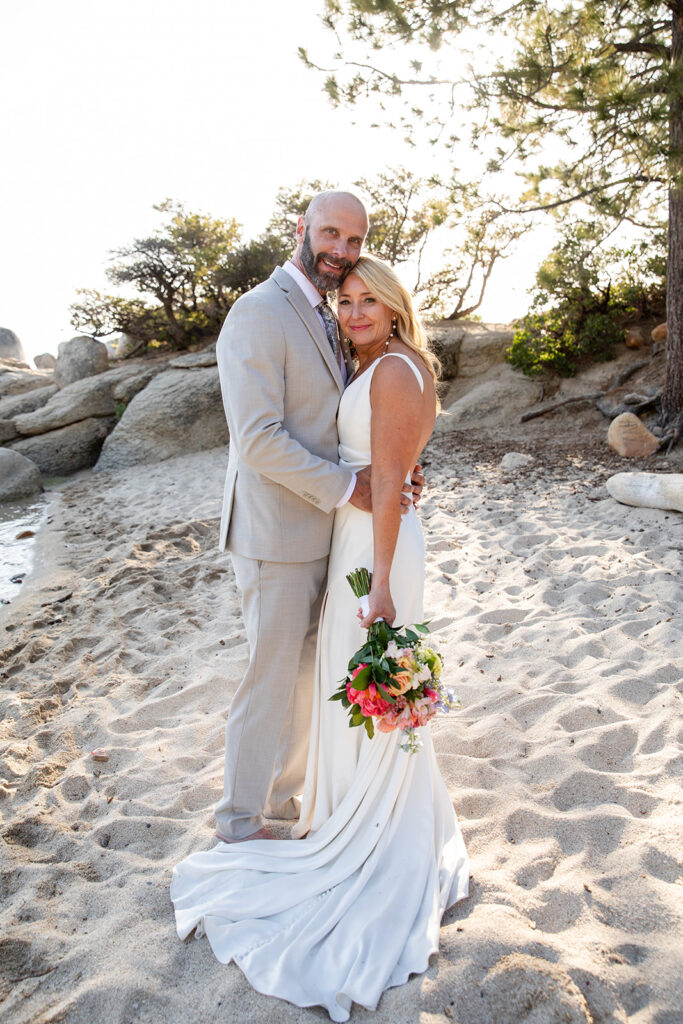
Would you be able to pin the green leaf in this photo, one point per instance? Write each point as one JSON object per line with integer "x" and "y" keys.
{"x": 369, "y": 727}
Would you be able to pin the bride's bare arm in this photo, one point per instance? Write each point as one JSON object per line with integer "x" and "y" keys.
{"x": 397, "y": 433}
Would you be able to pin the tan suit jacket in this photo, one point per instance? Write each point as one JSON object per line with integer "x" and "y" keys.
{"x": 281, "y": 389}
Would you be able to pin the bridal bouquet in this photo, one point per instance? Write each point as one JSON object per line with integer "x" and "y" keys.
{"x": 394, "y": 679}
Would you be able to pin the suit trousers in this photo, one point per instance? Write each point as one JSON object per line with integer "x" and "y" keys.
{"x": 268, "y": 729}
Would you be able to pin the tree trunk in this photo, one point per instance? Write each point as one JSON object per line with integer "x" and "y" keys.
{"x": 672, "y": 395}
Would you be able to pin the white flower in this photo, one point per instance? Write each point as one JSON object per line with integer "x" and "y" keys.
{"x": 392, "y": 649}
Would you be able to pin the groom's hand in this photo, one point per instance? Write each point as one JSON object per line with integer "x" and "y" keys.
{"x": 362, "y": 494}
{"x": 417, "y": 482}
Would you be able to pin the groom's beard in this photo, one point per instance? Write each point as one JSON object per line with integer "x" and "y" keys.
{"x": 323, "y": 281}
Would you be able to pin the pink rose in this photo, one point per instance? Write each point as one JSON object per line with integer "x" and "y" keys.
{"x": 371, "y": 703}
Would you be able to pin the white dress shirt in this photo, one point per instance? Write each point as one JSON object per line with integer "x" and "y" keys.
{"x": 315, "y": 298}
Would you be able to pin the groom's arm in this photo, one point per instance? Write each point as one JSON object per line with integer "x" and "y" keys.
{"x": 251, "y": 362}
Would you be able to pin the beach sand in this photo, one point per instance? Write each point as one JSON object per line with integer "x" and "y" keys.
{"x": 558, "y": 612}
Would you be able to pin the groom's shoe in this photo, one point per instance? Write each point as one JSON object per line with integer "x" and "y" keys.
{"x": 262, "y": 833}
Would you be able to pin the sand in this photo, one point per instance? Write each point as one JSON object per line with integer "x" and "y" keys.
{"x": 559, "y": 615}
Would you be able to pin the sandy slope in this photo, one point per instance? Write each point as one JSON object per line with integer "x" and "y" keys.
{"x": 559, "y": 614}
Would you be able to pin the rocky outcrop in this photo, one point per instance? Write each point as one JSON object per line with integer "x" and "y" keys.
{"x": 468, "y": 348}
{"x": 629, "y": 437}
{"x": 17, "y": 377}
{"x": 78, "y": 358}
{"x": 179, "y": 412}
{"x": 10, "y": 346}
{"x": 67, "y": 449}
{"x": 207, "y": 357}
{"x": 502, "y": 395}
{"x": 91, "y": 396}
{"x": 27, "y": 401}
{"x": 126, "y": 390}
{"x": 45, "y": 361}
{"x": 19, "y": 476}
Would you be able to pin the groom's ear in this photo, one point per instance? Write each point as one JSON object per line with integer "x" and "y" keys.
{"x": 300, "y": 229}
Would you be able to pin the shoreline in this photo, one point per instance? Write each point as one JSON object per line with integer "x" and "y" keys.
{"x": 558, "y": 614}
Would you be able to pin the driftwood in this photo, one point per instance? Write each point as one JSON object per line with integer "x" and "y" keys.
{"x": 596, "y": 395}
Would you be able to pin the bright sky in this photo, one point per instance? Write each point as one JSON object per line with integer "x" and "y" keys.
{"x": 109, "y": 107}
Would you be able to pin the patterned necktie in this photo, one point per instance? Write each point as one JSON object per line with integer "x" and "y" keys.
{"x": 330, "y": 327}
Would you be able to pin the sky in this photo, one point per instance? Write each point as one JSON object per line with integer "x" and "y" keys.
{"x": 108, "y": 108}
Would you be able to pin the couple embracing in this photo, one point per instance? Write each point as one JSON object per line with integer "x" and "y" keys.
{"x": 319, "y": 483}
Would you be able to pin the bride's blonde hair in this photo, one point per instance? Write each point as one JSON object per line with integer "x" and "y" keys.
{"x": 385, "y": 285}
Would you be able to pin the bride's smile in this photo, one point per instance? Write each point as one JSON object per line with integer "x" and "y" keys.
{"x": 363, "y": 318}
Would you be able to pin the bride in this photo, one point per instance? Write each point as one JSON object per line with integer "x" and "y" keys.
{"x": 352, "y": 904}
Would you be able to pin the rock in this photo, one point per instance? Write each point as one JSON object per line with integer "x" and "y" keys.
{"x": 121, "y": 345}
{"x": 635, "y": 337}
{"x": 515, "y": 460}
{"x": 78, "y": 358}
{"x": 19, "y": 476}
{"x": 483, "y": 346}
{"x": 91, "y": 396}
{"x": 68, "y": 449}
{"x": 659, "y": 333}
{"x": 445, "y": 338}
{"x": 648, "y": 490}
{"x": 179, "y": 412}
{"x": 627, "y": 436}
{"x": 16, "y": 378}
{"x": 14, "y": 405}
{"x": 8, "y": 431}
{"x": 467, "y": 348}
{"x": 10, "y": 346}
{"x": 127, "y": 389}
{"x": 503, "y": 394}
{"x": 207, "y": 357}
{"x": 45, "y": 361}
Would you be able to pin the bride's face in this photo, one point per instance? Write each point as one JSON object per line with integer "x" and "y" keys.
{"x": 364, "y": 319}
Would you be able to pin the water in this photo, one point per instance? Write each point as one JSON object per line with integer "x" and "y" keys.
{"x": 16, "y": 555}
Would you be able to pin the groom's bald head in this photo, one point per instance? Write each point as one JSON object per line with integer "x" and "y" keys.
{"x": 329, "y": 238}
{"x": 335, "y": 201}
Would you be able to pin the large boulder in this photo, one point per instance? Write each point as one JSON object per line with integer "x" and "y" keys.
{"x": 68, "y": 449}
{"x": 91, "y": 396}
{"x": 19, "y": 476}
{"x": 78, "y": 358}
{"x": 179, "y": 412}
{"x": 10, "y": 346}
{"x": 500, "y": 397}
{"x": 628, "y": 437}
{"x": 45, "y": 361}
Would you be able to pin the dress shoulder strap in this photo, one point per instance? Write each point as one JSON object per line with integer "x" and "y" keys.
{"x": 411, "y": 364}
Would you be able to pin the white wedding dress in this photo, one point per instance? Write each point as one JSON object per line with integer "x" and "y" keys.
{"x": 354, "y": 907}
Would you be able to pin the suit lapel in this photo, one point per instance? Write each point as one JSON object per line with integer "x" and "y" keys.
{"x": 310, "y": 320}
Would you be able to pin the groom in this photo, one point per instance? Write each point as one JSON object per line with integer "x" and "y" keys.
{"x": 283, "y": 367}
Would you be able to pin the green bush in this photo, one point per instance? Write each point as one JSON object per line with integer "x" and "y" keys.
{"x": 579, "y": 311}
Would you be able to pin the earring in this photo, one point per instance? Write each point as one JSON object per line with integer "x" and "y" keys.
{"x": 394, "y": 327}
{"x": 352, "y": 347}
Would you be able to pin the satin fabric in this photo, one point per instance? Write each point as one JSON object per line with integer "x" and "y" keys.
{"x": 352, "y": 904}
